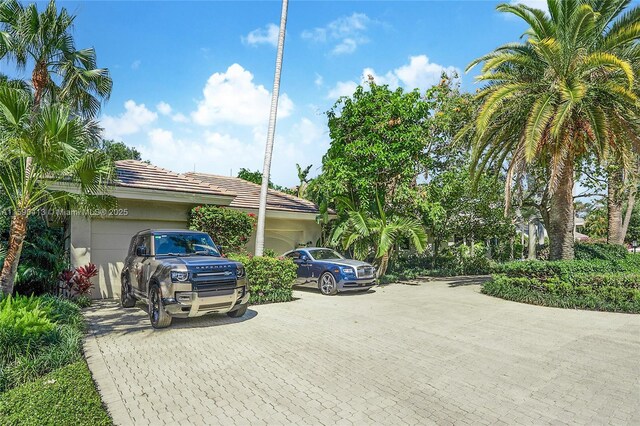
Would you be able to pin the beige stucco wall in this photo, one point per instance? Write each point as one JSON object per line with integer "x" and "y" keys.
{"x": 104, "y": 241}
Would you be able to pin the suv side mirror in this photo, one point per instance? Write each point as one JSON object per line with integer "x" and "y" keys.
{"x": 141, "y": 251}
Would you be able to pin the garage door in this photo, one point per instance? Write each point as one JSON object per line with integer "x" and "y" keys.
{"x": 109, "y": 244}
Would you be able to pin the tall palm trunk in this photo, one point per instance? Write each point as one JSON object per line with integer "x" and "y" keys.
{"x": 383, "y": 265}
{"x": 631, "y": 202}
{"x": 562, "y": 216}
{"x": 533, "y": 239}
{"x": 266, "y": 169}
{"x": 17, "y": 233}
{"x": 614, "y": 207}
{"x": 39, "y": 80}
{"x": 16, "y": 240}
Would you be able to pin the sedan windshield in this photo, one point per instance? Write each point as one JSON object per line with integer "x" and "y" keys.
{"x": 325, "y": 254}
{"x": 182, "y": 244}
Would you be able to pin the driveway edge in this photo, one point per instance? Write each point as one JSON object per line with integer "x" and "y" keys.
{"x": 104, "y": 382}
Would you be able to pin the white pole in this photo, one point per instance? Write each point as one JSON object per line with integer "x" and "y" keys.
{"x": 266, "y": 169}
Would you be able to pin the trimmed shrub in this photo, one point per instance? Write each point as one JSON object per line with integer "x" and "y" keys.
{"x": 270, "y": 279}
{"x": 229, "y": 228}
{"x": 600, "y": 251}
{"x": 561, "y": 294}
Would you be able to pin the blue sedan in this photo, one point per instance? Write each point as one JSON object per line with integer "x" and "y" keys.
{"x": 330, "y": 271}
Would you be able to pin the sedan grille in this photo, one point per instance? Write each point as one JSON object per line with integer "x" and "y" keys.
{"x": 365, "y": 271}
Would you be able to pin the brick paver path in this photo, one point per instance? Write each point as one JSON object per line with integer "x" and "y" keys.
{"x": 438, "y": 353}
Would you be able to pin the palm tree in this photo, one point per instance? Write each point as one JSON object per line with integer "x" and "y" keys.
{"x": 377, "y": 235}
{"x": 303, "y": 175}
{"x": 266, "y": 169}
{"x": 60, "y": 73}
{"x": 38, "y": 149}
{"x": 567, "y": 90}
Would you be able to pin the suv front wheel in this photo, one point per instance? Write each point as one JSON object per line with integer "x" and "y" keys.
{"x": 158, "y": 316}
{"x": 126, "y": 298}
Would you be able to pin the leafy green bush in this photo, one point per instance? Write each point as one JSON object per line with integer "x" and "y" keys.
{"x": 37, "y": 335}
{"x": 64, "y": 397}
{"x": 270, "y": 279}
{"x": 458, "y": 261}
{"x": 229, "y": 228}
{"x": 601, "y": 251}
{"x": 557, "y": 293}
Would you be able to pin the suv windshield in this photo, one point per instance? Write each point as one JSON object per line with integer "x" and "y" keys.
{"x": 181, "y": 244}
{"x": 325, "y": 254}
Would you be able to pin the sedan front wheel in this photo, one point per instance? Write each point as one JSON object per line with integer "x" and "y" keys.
{"x": 327, "y": 284}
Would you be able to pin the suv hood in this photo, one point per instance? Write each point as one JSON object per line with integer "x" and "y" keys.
{"x": 197, "y": 261}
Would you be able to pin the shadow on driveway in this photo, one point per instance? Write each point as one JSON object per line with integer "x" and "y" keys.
{"x": 462, "y": 281}
{"x": 106, "y": 317}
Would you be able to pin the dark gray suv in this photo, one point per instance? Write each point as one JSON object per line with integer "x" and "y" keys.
{"x": 181, "y": 273}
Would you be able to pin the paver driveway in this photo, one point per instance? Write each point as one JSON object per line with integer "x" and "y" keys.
{"x": 438, "y": 353}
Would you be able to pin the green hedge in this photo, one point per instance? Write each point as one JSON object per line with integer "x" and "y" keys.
{"x": 605, "y": 278}
{"x": 557, "y": 293}
{"x": 66, "y": 396}
{"x": 270, "y": 279}
{"x": 229, "y": 228}
{"x": 37, "y": 335}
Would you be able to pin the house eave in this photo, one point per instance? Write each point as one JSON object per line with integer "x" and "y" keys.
{"x": 144, "y": 194}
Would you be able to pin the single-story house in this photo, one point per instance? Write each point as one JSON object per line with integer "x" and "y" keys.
{"x": 151, "y": 197}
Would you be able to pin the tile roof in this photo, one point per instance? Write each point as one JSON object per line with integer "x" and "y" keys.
{"x": 141, "y": 175}
{"x": 248, "y": 194}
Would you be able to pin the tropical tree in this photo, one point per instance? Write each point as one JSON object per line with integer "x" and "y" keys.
{"x": 37, "y": 149}
{"x": 567, "y": 90}
{"x": 376, "y": 236}
{"x": 59, "y": 72}
{"x": 303, "y": 177}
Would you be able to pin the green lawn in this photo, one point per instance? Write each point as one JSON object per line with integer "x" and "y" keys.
{"x": 66, "y": 396}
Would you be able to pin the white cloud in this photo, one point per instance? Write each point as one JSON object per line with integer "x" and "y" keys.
{"x": 132, "y": 120}
{"x": 418, "y": 73}
{"x": 267, "y": 35}
{"x": 309, "y": 133}
{"x": 421, "y": 73}
{"x": 342, "y": 88}
{"x": 319, "y": 80}
{"x": 164, "y": 108}
{"x": 347, "y": 32}
{"x": 180, "y": 118}
{"x": 233, "y": 97}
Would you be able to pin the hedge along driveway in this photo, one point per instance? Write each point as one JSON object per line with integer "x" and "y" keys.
{"x": 436, "y": 353}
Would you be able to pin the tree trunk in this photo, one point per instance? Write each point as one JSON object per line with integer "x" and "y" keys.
{"x": 16, "y": 239}
{"x": 631, "y": 201}
{"x": 533, "y": 239}
{"x": 562, "y": 216}
{"x": 614, "y": 207}
{"x": 383, "y": 265}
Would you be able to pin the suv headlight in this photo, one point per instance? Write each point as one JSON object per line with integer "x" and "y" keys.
{"x": 240, "y": 271}
{"x": 348, "y": 270}
{"x": 180, "y": 276}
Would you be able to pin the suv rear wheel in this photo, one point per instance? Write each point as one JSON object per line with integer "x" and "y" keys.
{"x": 158, "y": 316}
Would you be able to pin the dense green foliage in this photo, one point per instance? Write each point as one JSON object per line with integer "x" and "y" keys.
{"x": 270, "y": 279}
{"x": 117, "y": 151}
{"x": 229, "y": 228}
{"x": 66, "y": 396}
{"x": 606, "y": 278}
{"x": 43, "y": 255}
{"x": 37, "y": 335}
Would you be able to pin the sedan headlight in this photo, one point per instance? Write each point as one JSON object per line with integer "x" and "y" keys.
{"x": 180, "y": 276}
{"x": 348, "y": 270}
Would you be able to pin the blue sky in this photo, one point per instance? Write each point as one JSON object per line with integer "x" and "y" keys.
{"x": 192, "y": 80}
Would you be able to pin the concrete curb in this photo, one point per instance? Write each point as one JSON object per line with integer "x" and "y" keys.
{"x": 104, "y": 381}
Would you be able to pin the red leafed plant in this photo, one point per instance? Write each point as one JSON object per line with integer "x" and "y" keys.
{"x": 78, "y": 281}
